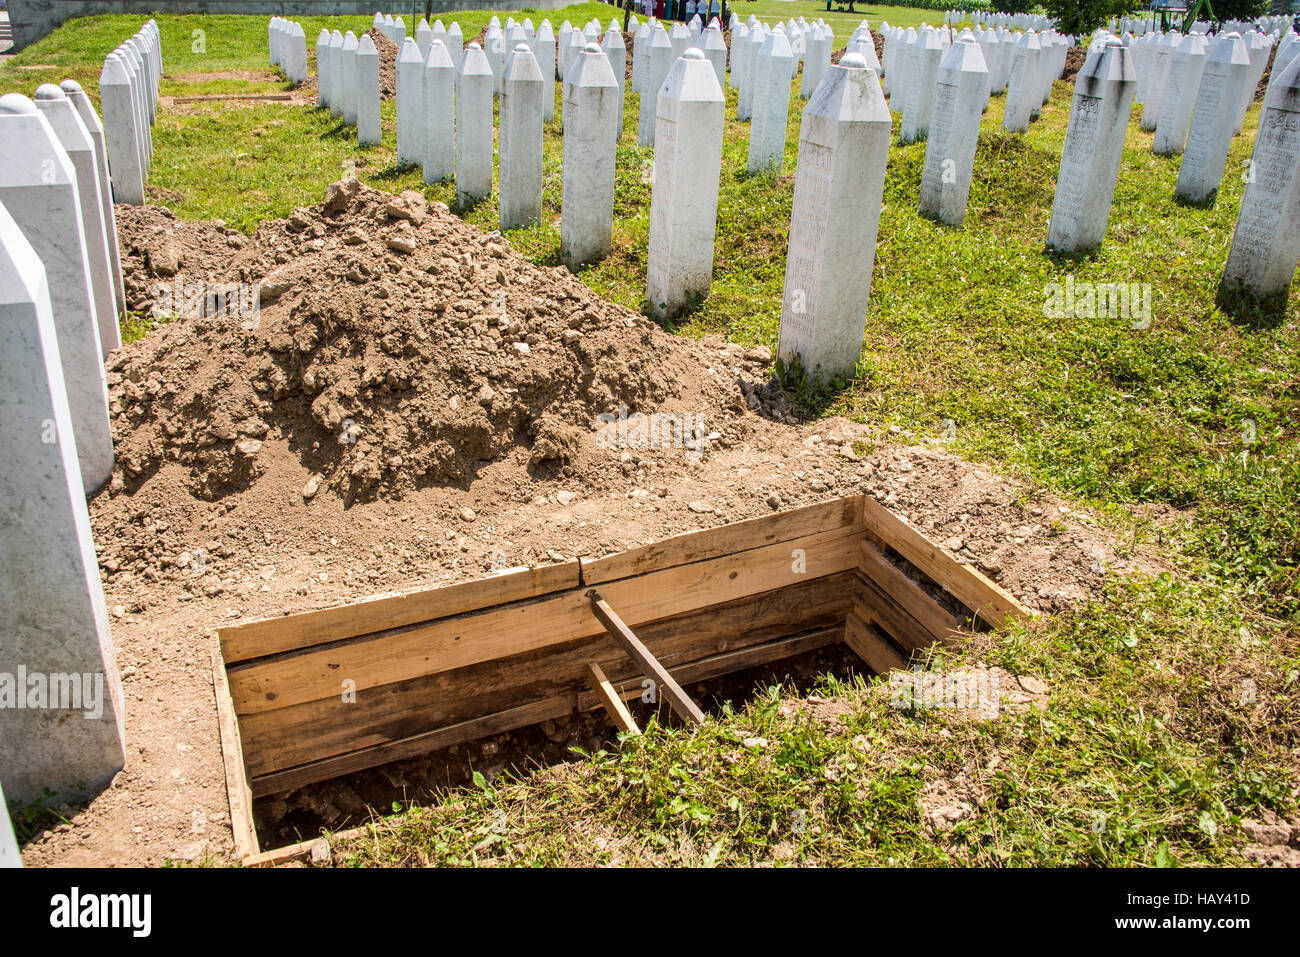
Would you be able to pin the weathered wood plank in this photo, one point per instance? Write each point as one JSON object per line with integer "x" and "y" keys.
{"x": 232, "y": 755}
{"x": 392, "y": 656}
{"x": 270, "y": 636}
{"x": 881, "y": 610}
{"x": 725, "y": 539}
{"x": 912, "y": 597}
{"x": 988, "y": 600}
{"x": 871, "y": 646}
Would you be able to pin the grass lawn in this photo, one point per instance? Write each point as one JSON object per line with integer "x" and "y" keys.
{"x": 1150, "y": 751}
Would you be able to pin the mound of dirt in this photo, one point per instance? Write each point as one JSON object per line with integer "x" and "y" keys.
{"x": 387, "y": 63}
{"x": 156, "y": 247}
{"x": 396, "y": 347}
{"x": 1074, "y": 60}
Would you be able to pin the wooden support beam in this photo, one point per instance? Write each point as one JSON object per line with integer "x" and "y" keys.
{"x": 614, "y": 705}
{"x": 869, "y": 645}
{"x": 992, "y": 603}
{"x": 648, "y": 663}
{"x": 232, "y": 754}
{"x": 727, "y": 662}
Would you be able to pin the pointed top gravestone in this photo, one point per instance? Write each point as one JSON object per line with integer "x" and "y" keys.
{"x": 1266, "y": 241}
{"x": 75, "y": 140}
{"x": 1181, "y": 87}
{"x": 1213, "y": 119}
{"x": 684, "y": 197}
{"x": 771, "y": 103}
{"x": 521, "y": 140}
{"x": 349, "y": 58}
{"x": 96, "y": 130}
{"x": 411, "y": 105}
{"x": 839, "y": 182}
{"x": 439, "y": 136}
{"x": 660, "y": 61}
{"x": 954, "y": 132}
{"x": 473, "y": 127}
{"x": 591, "y": 102}
{"x": 57, "y": 620}
{"x": 1090, "y": 158}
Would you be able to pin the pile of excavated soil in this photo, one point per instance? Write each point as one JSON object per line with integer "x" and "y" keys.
{"x": 387, "y": 63}
{"x": 1075, "y": 57}
{"x": 399, "y": 347}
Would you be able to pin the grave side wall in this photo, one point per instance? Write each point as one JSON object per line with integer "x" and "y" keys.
{"x": 33, "y": 19}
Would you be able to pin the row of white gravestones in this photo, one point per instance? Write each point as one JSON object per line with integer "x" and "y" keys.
{"x": 128, "y": 93}
{"x": 688, "y": 149}
{"x": 288, "y": 48}
{"x": 392, "y": 27}
{"x": 1266, "y": 241}
{"x": 1094, "y": 145}
{"x": 57, "y": 620}
{"x": 347, "y": 78}
{"x": 451, "y": 38}
{"x": 839, "y": 182}
{"x": 61, "y": 216}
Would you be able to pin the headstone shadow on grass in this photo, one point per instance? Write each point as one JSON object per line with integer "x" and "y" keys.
{"x": 339, "y": 130}
{"x": 393, "y": 172}
{"x": 1256, "y": 314}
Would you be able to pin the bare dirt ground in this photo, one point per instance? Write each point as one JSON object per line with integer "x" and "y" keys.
{"x": 416, "y": 404}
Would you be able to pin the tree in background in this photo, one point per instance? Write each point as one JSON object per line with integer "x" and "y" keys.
{"x": 1081, "y": 17}
{"x": 1239, "y": 9}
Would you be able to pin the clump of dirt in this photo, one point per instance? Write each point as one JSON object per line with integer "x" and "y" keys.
{"x": 156, "y": 248}
{"x": 1074, "y": 60}
{"x": 387, "y": 63}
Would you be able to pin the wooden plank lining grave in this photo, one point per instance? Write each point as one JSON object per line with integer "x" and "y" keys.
{"x": 323, "y": 693}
